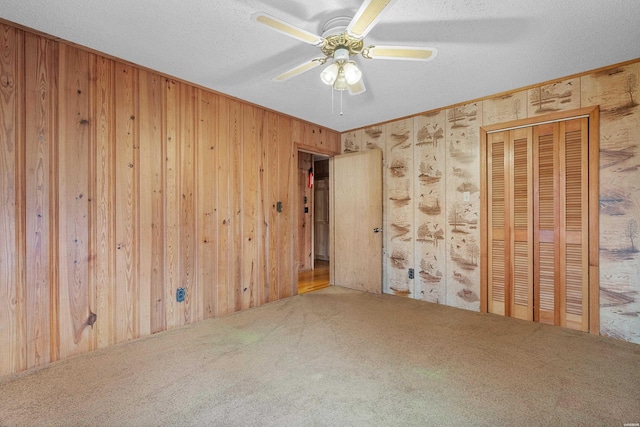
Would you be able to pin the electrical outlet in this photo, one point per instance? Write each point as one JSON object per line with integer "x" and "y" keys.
{"x": 181, "y": 293}
{"x": 411, "y": 273}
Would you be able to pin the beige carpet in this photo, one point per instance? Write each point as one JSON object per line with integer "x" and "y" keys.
{"x": 339, "y": 357}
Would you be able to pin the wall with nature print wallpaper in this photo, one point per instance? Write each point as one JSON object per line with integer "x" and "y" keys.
{"x": 432, "y": 191}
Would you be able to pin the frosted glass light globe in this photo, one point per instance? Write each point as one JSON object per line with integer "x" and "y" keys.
{"x": 329, "y": 74}
{"x": 352, "y": 73}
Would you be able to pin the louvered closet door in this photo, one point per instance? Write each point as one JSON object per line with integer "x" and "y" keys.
{"x": 537, "y": 228}
{"x": 498, "y": 265}
{"x": 547, "y": 224}
{"x": 561, "y": 223}
{"x": 510, "y": 254}
{"x": 522, "y": 224}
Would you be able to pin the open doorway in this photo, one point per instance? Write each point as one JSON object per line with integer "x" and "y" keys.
{"x": 313, "y": 222}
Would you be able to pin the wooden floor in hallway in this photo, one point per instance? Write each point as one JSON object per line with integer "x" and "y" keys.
{"x": 312, "y": 280}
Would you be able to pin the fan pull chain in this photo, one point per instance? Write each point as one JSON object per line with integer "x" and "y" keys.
{"x": 332, "y": 102}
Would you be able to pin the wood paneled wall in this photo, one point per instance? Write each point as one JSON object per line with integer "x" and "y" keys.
{"x": 119, "y": 185}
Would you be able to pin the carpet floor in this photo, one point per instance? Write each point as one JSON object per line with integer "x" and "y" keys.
{"x": 340, "y": 357}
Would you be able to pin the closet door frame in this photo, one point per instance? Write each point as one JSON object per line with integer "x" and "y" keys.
{"x": 593, "y": 113}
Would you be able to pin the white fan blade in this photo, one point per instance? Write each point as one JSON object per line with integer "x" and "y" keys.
{"x": 288, "y": 29}
{"x": 299, "y": 69}
{"x": 366, "y": 17}
{"x": 405, "y": 53}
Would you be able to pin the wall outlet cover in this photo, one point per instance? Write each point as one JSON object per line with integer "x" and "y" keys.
{"x": 181, "y": 293}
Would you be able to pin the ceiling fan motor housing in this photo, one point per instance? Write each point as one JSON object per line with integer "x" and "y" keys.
{"x": 335, "y": 26}
{"x": 336, "y": 38}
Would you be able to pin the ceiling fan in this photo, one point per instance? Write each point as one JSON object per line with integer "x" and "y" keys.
{"x": 343, "y": 38}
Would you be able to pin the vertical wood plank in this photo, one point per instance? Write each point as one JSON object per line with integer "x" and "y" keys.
{"x": 223, "y": 187}
{"x": 126, "y": 204}
{"x": 54, "y": 215}
{"x": 251, "y": 153}
{"x": 207, "y": 202}
{"x": 151, "y": 304}
{"x": 40, "y": 89}
{"x": 8, "y": 122}
{"x": 237, "y": 197}
{"x": 20, "y": 197}
{"x": 287, "y": 174}
{"x": 91, "y": 191}
{"x": 11, "y": 324}
{"x": 313, "y": 136}
{"x": 297, "y": 133}
{"x": 262, "y": 200}
{"x": 74, "y": 213}
{"x": 272, "y": 173}
{"x": 104, "y": 224}
{"x": 172, "y": 204}
{"x": 333, "y": 142}
{"x": 187, "y": 202}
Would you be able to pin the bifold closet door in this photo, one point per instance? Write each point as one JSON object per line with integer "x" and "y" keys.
{"x": 561, "y": 223}
{"x": 537, "y": 234}
{"x": 510, "y": 231}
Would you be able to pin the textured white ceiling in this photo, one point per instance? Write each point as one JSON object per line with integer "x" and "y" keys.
{"x": 484, "y": 47}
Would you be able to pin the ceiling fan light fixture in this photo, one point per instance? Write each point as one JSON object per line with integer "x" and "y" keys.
{"x": 330, "y": 74}
{"x": 343, "y": 38}
{"x": 341, "y": 82}
{"x": 352, "y": 73}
